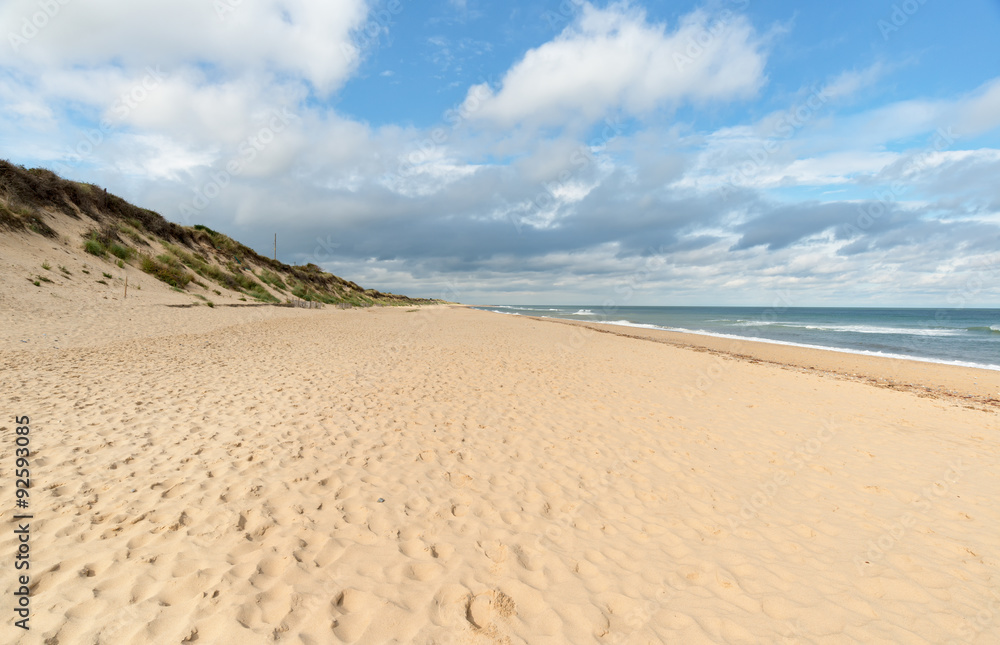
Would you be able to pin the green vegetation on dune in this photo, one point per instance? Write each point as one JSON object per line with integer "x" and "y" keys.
{"x": 231, "y": 278}
{"x": 120, "y": 251}
{"x": 262, "y": 294}
{"x": 18, "y": 217}
{"x": 166, "y": 269}
{"x": 94, "y": 247}
{"x": 121, "y": 230}
{"x": 273, "y": 279}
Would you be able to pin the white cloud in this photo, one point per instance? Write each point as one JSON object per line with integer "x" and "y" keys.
{"x": 980, "y": 112}
{"x": 852, "y": 81}
{"x": 429, "y": 177}
{"x": 311, "y": 40}
{"x": 190, "y": 108}
{"x": 32, "y": 111}
{"x": 614, "y": 59}
{"x": 823, "y": 146}
{"x": 156, "y": 157}
{"x": 918, "y": 167}
{"x": 835, "y": 168}
{"x": 179, "y": 85}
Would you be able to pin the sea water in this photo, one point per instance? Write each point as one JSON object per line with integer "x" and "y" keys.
{"x": 969, "y": 337}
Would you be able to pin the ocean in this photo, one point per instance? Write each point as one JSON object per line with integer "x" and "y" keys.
{"x": 969, "y": 337}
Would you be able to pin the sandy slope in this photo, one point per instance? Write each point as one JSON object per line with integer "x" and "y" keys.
{"x": 80, "y": 300}
{"x": 454, "y": 476}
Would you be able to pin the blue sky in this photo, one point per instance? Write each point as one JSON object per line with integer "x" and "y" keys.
{"x": 420, "y": 67}
{"x": 681, "y": 153}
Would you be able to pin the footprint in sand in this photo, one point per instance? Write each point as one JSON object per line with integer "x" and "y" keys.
{"x": 356, "y": 608}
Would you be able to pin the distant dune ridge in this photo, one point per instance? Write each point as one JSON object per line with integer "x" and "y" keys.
{"x": 192, "y": 259}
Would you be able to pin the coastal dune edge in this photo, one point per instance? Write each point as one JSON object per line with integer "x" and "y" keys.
{"x": 445, "y": 475}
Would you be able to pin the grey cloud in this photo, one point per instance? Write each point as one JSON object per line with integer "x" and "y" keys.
{"x": 783, "y": 226}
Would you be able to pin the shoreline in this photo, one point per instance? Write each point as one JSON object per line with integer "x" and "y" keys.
{"x": 975, "y": 387}
{"x": 827, "y": 348}
{"x": 992, "y": 367}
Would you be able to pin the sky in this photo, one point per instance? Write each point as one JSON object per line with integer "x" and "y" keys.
{"x": 728, "y": 152}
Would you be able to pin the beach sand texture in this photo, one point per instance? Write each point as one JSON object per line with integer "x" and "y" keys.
{"x": 452, "y": 476}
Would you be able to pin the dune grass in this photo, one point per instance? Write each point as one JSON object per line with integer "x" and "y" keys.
{"x": 273, "y": 279}
{"x": 120, "y": 251}
{"x": 166, "y": 269}
{"x": 95, "y": 247}
{"x": 233, "y": 279}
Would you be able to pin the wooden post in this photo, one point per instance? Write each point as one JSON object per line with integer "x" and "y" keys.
{"x": 126, "y": 287}
{"x": 275, "y": 247}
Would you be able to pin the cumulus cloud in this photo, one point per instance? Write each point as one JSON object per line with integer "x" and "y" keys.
{"x": 819, "y": 141}
{"x": 184, "y": 83}
{"x": 615, "y": 59}
{"x": 311, "y": 40}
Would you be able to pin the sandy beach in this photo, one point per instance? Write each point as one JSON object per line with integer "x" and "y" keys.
{"x": 499, "y": 323}
{"x": 445, "y": 475}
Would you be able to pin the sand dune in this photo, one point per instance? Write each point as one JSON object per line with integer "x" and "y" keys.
{"x": 453, "y": 476}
